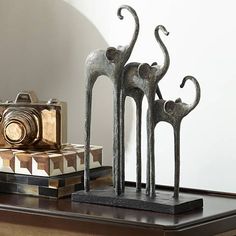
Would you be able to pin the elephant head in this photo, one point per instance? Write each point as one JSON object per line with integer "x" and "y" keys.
{"x": 127, "y": 50}
{"x": 151, "y": 75}
{"x": 110, "y": 62}
{"x": 178, "y": 109}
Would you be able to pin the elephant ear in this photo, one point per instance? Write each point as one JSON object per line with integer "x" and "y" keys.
{"x": 169, "y": 107}
{"x": 112, "y": 54}
{"x": 144, "y": 70}
{"x": 154, "y": 63}
{"x": 178, "y": 100}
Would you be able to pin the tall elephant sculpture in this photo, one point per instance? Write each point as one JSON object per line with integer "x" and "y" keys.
{"x": 109, "y": 62}
{"x": 173, "y": 113}
{"x": 139, "y": 80}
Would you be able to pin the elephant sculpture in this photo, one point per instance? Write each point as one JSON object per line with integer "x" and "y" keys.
{"x": 139, "y": 80}
{"x": 109, "y": 63}
{"x": 173, "y": 113}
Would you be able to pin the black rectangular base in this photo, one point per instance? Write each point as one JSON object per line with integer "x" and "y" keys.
{"x": 40, "y": 191}
{"x": 52, "y": 187}
{"x": 163, "y": 202}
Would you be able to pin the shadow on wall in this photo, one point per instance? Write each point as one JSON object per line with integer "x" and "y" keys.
{"x": 43, "y": 48}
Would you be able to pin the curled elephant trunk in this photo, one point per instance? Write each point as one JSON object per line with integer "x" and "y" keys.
{"x": 166, "y": 63}
{"x": 198, "y": 91}
{"x": 136, "y": 30}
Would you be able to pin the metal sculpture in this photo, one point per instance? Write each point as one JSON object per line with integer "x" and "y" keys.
{"x": 142, "y": 79}
{"x": 136, "y": 80}
{"x": 173, "y": 112}
{"x": 110, "y": 63}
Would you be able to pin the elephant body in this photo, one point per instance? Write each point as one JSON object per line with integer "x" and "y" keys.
{"x": 173, "y": 113}
{"x": 139, "y": 80}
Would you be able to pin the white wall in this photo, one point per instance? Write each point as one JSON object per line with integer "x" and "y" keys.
{"x": 44, "y": 44}
{"x": 201, "y": 43}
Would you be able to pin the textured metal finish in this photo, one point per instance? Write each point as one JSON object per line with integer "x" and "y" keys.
{"x": 136, "y": 80}
{"x": 139, "y": 80}
{"x": 173, "y": 113}
{"x": 110, "y": 63}
{"x": 164, "y": 203}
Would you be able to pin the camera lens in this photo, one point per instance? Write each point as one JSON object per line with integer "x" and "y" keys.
{"x": 21, "y": 126}
{"x": 15, "y": 131}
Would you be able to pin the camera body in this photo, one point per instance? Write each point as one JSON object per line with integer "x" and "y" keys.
{"x": 28, "y": 123}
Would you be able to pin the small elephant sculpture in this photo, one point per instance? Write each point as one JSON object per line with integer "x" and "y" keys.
{"x": 139, "y": 80}
{"x": 110, "y": 63}
{"x": 173, "y": 113}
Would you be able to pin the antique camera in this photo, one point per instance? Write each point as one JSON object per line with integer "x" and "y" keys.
{"x": 27, "y": 123}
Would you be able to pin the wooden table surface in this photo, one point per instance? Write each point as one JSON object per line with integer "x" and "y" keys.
{"x": 71, "y": 218}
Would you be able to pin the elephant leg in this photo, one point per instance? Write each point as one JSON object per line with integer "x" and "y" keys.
{"x": 150, "y": 148}
{"x": 150, "y": 185}
{"x": 122, "y": 142}
{"x": 116, "y": 140}
{"x": 177, "y": 160}
{"x": 88, "y": 106}
{"x": 152, "y": 158}
{"x": 138, "y": 143}
{"x": 148, "y": 157}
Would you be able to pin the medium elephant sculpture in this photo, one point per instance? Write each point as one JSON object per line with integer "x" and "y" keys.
{"x": 139, "y": 80}
{"x": 173, "y": 113}
{"x": 109, "y": 63}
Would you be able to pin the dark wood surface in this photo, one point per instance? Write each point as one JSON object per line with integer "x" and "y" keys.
{"x": 218, "y": 215}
